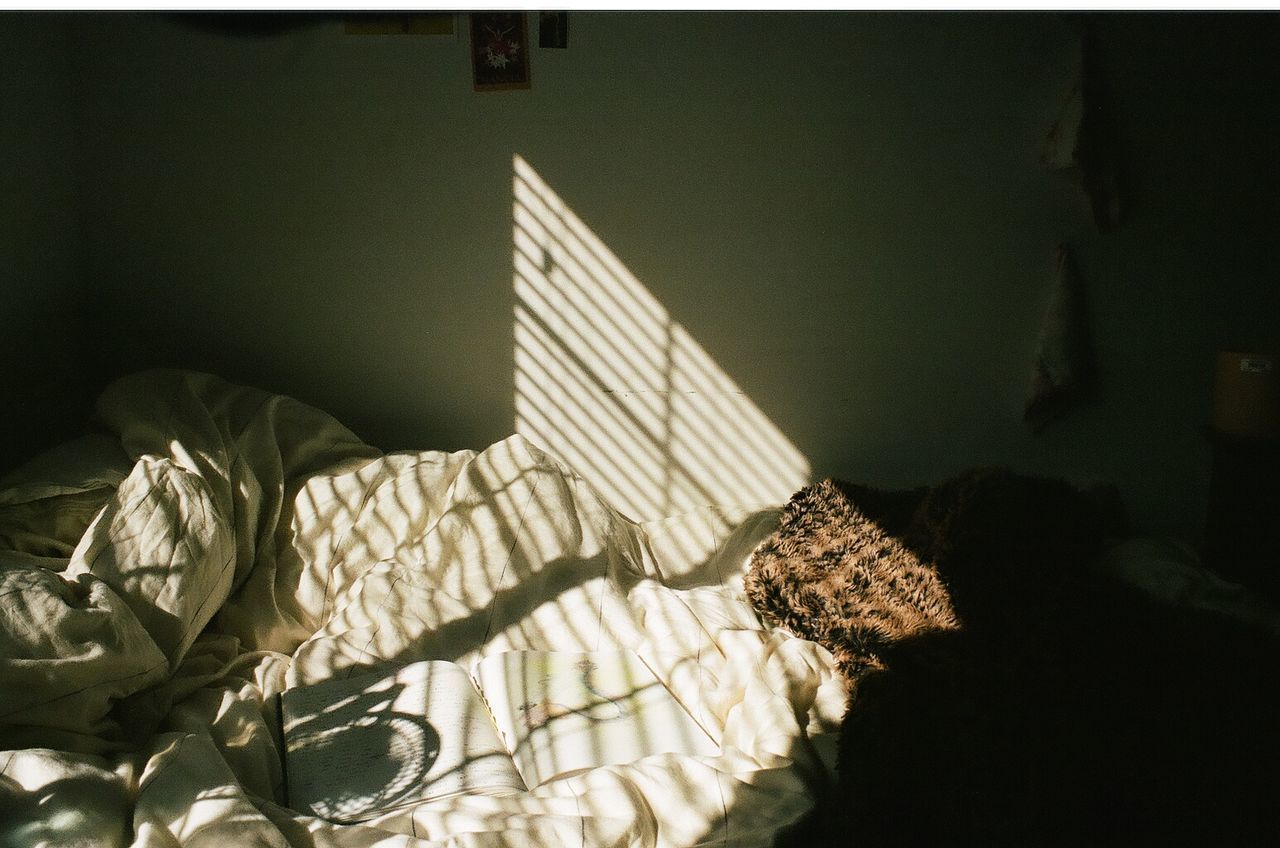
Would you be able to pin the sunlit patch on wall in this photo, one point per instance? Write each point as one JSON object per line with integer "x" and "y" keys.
{"x": 609, "y": 383}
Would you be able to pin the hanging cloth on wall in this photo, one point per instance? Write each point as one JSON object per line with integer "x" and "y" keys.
{"x": 1064, "y": 373}
{"x": 1081, "y": 142}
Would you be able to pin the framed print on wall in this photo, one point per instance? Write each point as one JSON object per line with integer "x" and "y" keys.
{"x": 499, "y": 50}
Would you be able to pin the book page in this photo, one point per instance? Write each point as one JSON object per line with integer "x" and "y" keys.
{"x": 358, "y": 747}
{"x": 562, "y": 712}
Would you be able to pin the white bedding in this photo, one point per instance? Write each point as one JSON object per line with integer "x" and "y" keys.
{"x": 163, "y": 579}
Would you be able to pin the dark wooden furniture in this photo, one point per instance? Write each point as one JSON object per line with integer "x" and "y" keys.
{"x": 1242, "y": 528}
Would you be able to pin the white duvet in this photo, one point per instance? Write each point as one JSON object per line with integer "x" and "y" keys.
{"x": 163, "y": 579}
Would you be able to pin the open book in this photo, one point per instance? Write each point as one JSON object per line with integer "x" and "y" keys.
{"x": 361, "y": 746}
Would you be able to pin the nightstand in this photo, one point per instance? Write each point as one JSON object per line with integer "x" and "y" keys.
{"x": 1242, "y": 528}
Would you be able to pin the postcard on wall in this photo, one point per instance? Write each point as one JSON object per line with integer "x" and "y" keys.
{"x": 553, "y": 29}
{"x": 499, "y": 50}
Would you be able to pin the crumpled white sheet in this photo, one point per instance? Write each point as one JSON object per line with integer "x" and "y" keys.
{"x": 162, "y": 580}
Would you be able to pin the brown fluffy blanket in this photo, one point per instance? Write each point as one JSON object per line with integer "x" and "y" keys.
{"x": 1002, "y": 691}
{"x": 837, "y": 572}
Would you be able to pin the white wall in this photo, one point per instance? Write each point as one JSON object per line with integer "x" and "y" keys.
{"x": 845, "y": 211}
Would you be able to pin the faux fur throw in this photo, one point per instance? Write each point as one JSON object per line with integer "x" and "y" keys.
{"x": 857, "y": 569}
{"x": 834, "y": 573}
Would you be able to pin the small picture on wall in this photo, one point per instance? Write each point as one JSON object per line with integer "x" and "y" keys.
{"x": 499, "y": 50}
{"x": 553, "y": 29}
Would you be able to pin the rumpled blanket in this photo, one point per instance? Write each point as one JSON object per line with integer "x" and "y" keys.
{"x": 163, "y": 578}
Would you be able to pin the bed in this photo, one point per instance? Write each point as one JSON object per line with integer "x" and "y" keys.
{"x": 207, "y": 546}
